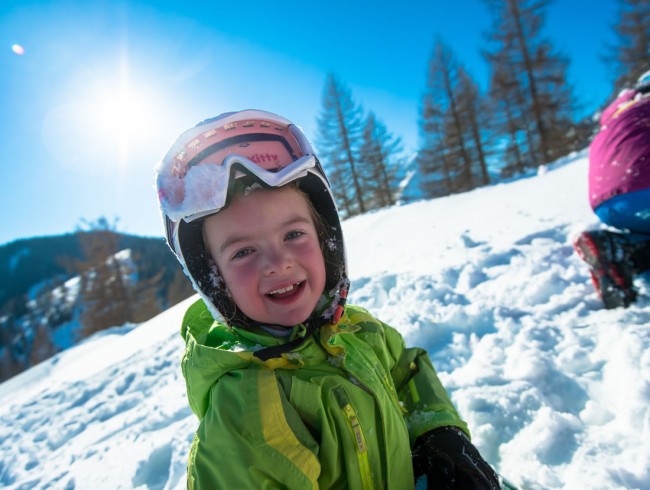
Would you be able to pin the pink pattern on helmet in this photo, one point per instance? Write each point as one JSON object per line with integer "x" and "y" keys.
{"x": 268, "y": 155}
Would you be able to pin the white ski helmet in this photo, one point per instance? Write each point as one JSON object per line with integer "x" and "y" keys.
{"x": 228, "y": 153}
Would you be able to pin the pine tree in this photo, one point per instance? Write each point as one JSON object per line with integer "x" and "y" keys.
{"x": 444, "y": 79}
{"x": 340, "y": 126}
{"x": 452, "y": 157}
{"x": 527, "y": 73}
{"x": 435, "y": 170}
{"x": 506, "y": 106}
{"x": 42, "y": 345}
{"x": 475, "y": 124}
{"x": 377, "y": 152}
{"x": 41, "y": 311}
{"x": 144, "y": 293}
{"x": 11, "y": 333}
{"x": 105, "y": 288}
{"x": 9, "y": 366}
{"x": 630, "y": 57}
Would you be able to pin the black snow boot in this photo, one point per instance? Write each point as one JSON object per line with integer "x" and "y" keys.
{"x": 608, "y": 255}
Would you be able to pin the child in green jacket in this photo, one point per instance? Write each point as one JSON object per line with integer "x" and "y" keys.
{"x": 293, "y": 389}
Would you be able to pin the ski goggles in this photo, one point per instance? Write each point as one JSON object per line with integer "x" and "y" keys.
{"x": 209, "y": 163}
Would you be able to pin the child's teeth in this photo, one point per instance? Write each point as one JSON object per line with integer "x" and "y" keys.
{"x": 282, "y": 290}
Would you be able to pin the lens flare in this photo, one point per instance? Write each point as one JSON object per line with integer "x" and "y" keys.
{"x": 18, "y": 49}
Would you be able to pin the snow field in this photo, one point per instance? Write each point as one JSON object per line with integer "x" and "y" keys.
{"x": 555, "y": 389}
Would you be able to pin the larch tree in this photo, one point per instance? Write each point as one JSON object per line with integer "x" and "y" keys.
{"x": 340, "y": 128}
{"x": 476, "y": 124}
{"x": 452, "y": 156}
{"x": 630, "y": 56}
{"x": 378, "y": 152}
{"x": 104, "y": 279}
{"x": 179, "y": 289}
{"x": 144, "y": 294}
{"x": 436, "y": 178}
{"x": 510, "y": 120}
{"x": 529, "y": 77}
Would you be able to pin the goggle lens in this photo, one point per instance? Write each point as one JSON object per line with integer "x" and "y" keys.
{"x": 197, "y": 175}
{"x": 206, "y": 189}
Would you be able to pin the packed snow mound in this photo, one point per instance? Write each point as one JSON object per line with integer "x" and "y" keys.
{"x": 555, "y": 389}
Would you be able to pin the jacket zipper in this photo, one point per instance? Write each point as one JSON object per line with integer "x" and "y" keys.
{"x": 357, "y": 436}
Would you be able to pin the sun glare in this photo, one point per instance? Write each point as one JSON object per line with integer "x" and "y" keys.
{"x": 123, "y": 115}
{"x": 106, "y": 122}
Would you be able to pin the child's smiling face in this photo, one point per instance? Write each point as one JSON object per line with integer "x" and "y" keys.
{"x": 267, "y": 249}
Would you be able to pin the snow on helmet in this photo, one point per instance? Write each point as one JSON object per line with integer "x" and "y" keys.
{"x": 222, "y": 156}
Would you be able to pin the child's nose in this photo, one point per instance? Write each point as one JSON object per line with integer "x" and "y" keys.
{"x": 277, "y": 261}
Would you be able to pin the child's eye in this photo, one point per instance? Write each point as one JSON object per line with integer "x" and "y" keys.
{"x": 240, "y": 254}
{"x": 293, "y": 234}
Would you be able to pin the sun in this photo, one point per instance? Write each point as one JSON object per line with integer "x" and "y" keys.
{"x": 124, "y": 115}
{"x": 106, "y": 120}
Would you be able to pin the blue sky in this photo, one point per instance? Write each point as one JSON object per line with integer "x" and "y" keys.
{"x": 103, "y": 87}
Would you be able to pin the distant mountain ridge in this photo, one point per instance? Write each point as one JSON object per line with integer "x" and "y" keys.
{"x": 27, "y": 262}
{"x": 38, "y": 306}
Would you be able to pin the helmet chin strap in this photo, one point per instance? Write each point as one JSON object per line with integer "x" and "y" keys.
{"x": 343, "y": 297}
{"x": 311, "y": 326}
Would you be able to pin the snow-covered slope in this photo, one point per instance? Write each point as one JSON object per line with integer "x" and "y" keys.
{"x": 555, "y": 389}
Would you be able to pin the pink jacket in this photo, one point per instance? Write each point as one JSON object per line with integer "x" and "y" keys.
{"x": 619, "y": 155}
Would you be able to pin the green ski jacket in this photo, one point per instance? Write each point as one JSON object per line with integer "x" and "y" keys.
{"x": 339, "y": 411}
